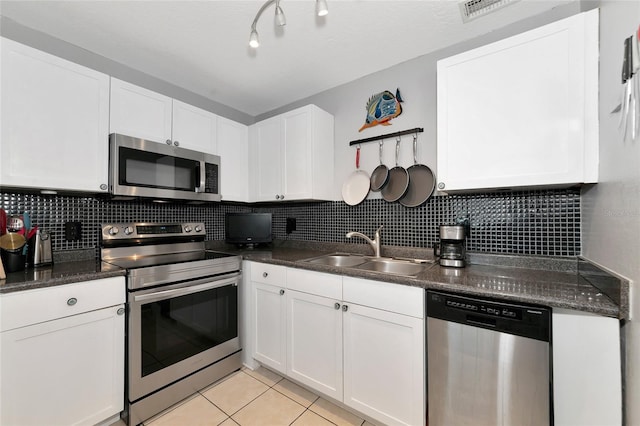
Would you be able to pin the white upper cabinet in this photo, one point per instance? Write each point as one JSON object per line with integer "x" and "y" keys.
{"x": 194, "y": 128}
{"x": 292, "y": 156}
{"x": 233, "y": 148}
{"x": 55, "y": 122}
{"x": 139, "y": 112}
{"x": 143, "y": 113}
{"x": 521, "y": 112}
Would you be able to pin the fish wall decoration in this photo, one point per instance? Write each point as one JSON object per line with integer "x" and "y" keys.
{"x": 381, "y": 108}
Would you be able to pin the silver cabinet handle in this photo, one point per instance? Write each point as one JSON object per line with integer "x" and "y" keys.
{"x": 277, "y": 197}
{"x": 345, "y": 308}
{"x": 441, "y": 185}
{"x": 176, "y": 143}
{"x": 281, "y": 292}
{"x": 120, "y": 311}
{"x": 72, "y": 301}
{"x": 337, "y": 306}
{"x": 168, "y": 141}
{"x": 282, "y": 197}
{"x": 265, "y": 274}
{"x": 103, "y": 186}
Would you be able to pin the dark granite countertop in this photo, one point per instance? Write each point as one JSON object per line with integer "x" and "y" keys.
{"x": 57, "y": 274}
{"x": 554, "y": 282}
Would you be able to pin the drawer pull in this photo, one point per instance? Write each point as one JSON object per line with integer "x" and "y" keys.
{"x": 120, "y": 311}
{"x": 345, "y": 308}
{"x": 281, "y": 292}
{"x": 72, "y": 301}
{"x": 337, "y": 306}
{"x": 265, "y": 275}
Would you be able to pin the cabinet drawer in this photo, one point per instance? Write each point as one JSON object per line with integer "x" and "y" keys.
{"x": 268, "y": 274}
{"x": 389, "y": 297}
{"x": 24, "y": 308}
{"x": 318, "y": 283}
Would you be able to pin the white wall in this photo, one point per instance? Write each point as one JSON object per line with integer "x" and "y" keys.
{"x": 611, "y": 209}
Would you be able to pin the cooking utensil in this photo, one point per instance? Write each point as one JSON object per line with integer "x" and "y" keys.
{"x": 356, "y": 187}
{"x": 398, "y": 180}
{"x": 2, "y": 273}
{"x": 15, "y": 224}
{"x": 26, "y": 219}
{"x": 12, "y": 241}
{"x": 3, "y": 222}
{"x": 421, "y": 181}
{"x": 380, "y": 175}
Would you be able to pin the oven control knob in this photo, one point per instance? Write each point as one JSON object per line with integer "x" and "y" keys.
{"x": 128, "y": 230}
{"x": 198, "y": 228}
{"x": 187, "y": 229}
{"x": 113, "y": 230}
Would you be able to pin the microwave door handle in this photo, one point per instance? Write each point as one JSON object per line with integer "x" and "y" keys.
{"x": 203, "y": 178}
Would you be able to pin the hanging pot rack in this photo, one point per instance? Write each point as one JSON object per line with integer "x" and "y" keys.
{"x": 388, "y": 135}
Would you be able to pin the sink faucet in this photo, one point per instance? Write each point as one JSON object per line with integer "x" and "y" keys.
{"x": 375, "y": 243}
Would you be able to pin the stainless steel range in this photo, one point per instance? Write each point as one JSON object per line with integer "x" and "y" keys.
{"x": 182, "y": 316}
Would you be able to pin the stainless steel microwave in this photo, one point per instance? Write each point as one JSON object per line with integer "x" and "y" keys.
{"x": 142, "y": 168}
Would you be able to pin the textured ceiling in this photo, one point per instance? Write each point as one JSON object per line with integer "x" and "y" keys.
{"x": 202, "y": 46}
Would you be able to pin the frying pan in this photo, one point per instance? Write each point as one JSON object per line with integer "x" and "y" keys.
{"x": 421, "y": 181}
{"x": 380, "y": 175}
{"x": 356, "y": 187}
{"x": 398, "y": 180}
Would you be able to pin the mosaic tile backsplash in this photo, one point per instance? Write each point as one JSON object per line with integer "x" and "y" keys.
{"x": 528, "y": 222}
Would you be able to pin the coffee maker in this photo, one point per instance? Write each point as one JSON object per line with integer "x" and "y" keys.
{"x": 451, "y": 250}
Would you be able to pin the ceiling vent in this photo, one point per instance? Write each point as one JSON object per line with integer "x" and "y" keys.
{"x": 473, "y": 9}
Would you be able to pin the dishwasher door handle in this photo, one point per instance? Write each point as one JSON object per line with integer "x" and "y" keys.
{"x": 486, "y": 322}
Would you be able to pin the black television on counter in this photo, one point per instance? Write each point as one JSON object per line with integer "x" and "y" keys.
{"x": 248, "y": 229}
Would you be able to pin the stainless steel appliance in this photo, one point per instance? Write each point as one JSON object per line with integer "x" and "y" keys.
{"x": 182, "y": 316}
{"x": 488, "y": 362}
{"x": 451, "y": 250}
{"x": 141, "y": 168}
{"x": 42, "y": 254}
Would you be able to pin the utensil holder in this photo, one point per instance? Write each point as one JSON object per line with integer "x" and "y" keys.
{"x": 13, "y": 260}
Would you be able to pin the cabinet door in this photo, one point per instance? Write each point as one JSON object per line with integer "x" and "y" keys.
{"x": 267, "y": 160}
{"x": 194, "y": 128}
{"x": 384, "y": 374}
{"x": 269, "y": 325}
{"x": 68, "y": 371}
{"x": 233, "y": 148}
{"x": 587, "y": 382}
{"x": 296, "y": 168}
{"x": 54, "y": 120}
{"x": 522, "y": 111}
{"x": 314, "y": 341}
{"x": 139, "y": 112}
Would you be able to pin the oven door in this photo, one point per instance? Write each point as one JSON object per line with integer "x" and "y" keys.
{"x": 175, "y": 330}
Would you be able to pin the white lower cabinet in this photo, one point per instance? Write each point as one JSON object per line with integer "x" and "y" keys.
{"x": 359, "y": 342}
{"x": 270, "y": 319}
{"x": 587, "y": 373}
{"x": 314, "y": 338}
{"x": 384, "y": 365}
{"x": 67, "y": 370}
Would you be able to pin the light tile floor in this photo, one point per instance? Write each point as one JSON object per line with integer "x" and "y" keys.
{"x": 254, "y": 398}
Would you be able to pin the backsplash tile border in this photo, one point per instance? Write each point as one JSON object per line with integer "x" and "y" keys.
{"x": 542, "y": 222}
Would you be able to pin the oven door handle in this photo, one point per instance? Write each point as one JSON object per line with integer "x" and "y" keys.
{"x": 192, "y": 287}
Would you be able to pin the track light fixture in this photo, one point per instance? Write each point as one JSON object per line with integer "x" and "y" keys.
{"x": 279, "y": 20}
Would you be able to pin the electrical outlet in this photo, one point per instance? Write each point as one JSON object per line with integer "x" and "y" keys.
{"x": 73, "y": 231}
{"x": 291, "y": 224}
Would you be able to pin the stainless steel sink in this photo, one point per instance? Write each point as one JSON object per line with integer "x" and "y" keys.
{"x": 392, "y": 266}
{"x": 385, "y": 265}
{"x": 338, "y": 260}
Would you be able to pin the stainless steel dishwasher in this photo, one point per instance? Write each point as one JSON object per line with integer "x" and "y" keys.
{"x": 488, "y": 362}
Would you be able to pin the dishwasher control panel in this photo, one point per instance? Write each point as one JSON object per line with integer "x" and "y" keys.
{"x": 528, "y": 321}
